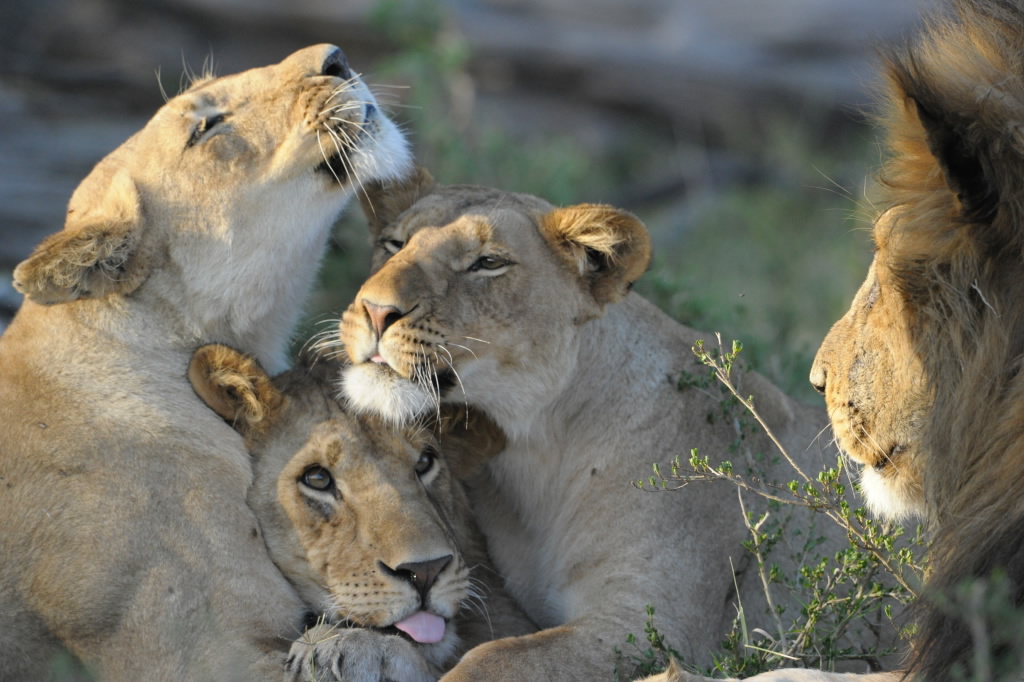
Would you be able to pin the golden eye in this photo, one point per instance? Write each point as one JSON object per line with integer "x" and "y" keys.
{"x": 488, "y": 263}
{"x": 317, "y": 478}
{"x": 426, "y": 461}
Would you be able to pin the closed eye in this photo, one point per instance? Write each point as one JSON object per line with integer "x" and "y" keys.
{"x": 203, "y": 128}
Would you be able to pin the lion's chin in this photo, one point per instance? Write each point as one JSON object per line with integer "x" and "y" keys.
{"x": 377, "y": 389}
{"x": 890, "y": 498}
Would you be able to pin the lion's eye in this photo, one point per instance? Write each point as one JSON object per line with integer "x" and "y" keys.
{"x": 317, "y": 478}
{"x": 203, "y": 127}
{"x": 392, "y": 246}
{"x": 491, "y": 264}
{"x": 426, "y": 461}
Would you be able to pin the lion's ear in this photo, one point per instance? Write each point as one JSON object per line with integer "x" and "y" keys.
{"x": 383, "y": 202}
{"x": 468, "y": 438}
{"x": 961, "y": 162}
{"x": 609, "y": 248}
{"x": 236, "y": 387}
{"x": 97, "y": 252}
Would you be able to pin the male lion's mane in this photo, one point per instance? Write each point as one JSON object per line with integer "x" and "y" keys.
{"x": 955, "y": 119}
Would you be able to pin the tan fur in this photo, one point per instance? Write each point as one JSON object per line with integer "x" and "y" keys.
{"x": 483, "y": 301}
{"x": 126, "y": 535}
{"x": 344, "y": 548}
{"x": 922, "y": 375}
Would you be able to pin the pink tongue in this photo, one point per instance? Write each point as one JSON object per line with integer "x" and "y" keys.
{"x": 423, "y": 627}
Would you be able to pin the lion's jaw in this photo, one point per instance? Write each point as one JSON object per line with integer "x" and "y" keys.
{"x": 375, "y": 389}
{"x": 515, "y": 397}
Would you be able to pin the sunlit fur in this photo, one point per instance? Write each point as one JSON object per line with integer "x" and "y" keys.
{"x": 932, "y": 359}
{"x": 127, "y": 540}
{"x": 489, "y": 300}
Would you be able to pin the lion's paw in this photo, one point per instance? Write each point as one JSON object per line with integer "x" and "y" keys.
{"x": 328, "y": 653}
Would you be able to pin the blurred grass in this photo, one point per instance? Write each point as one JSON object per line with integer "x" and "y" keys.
{"x": 768, "y": 251}
{"x": 775, "y": 261}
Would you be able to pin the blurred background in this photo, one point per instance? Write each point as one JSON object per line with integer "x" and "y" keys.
{"x": 735, "y": 129}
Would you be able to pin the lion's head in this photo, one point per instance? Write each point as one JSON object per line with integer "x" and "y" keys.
{"x": 369, "y": 523}
{"x": 922, "y": 376}
{"x": 478, "y": 296}
{"x": 876, "y": 392}
{"x": 231, "y": 188}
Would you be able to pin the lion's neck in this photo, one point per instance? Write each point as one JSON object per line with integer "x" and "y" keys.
{"x": 560, "y": 412}
{"x": 240, "y": 272}
{"x": 247, "y": 291}
{"x": 586, "y": 435}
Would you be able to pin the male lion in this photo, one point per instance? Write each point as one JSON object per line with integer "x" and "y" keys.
{"x": 505, "y": 303}
{"x": 369, "y": 523}
{"x": 126, "y": 536}
{"x": 922, "y": 375}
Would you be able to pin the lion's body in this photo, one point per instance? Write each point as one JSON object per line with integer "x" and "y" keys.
{"x": 922, "y": 376}
{"x": 126, "y": 538}
{"x": 368, "y": 523}
{"x": 520, "y": 310}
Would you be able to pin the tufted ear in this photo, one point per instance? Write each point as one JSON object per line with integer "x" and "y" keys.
{"x": 383, "y": 202}
{"x": 609, "y": 248}
{"x": 468, "y": 438}
{"x": 236, "y": 387}
{"x": 97, "y": 253}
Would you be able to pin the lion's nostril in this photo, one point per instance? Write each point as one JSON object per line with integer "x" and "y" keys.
{"x": 336, "y": 65}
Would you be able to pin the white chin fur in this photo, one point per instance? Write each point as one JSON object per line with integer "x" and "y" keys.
{"x": 372, "y": 389}
{"x": 887, "y": 500}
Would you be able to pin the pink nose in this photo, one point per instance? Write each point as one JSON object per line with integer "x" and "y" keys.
{"x": 381, "y": 316}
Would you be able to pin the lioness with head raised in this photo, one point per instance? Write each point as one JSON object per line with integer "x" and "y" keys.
{"x": 369, "y": 523}
{"x": 522, "y": 310}
{"x": 127, "y": 539}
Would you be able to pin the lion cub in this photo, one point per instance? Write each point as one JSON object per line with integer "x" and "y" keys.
{"x": 369, "y": 523}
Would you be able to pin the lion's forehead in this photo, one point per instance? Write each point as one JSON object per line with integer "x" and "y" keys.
{"x": 494, "y": 230}
{"x": 292, "y": 69}
{"x": 467, "y": 204}
{"x": 358, "y": 451}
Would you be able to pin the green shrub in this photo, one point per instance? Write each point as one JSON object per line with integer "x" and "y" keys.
{"x": 839, "y": 593}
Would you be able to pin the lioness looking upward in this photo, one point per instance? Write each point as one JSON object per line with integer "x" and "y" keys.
{"x": 369, "y": 523}
{"x": 126, "y": 535}
{"x": 522, "y": 310}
